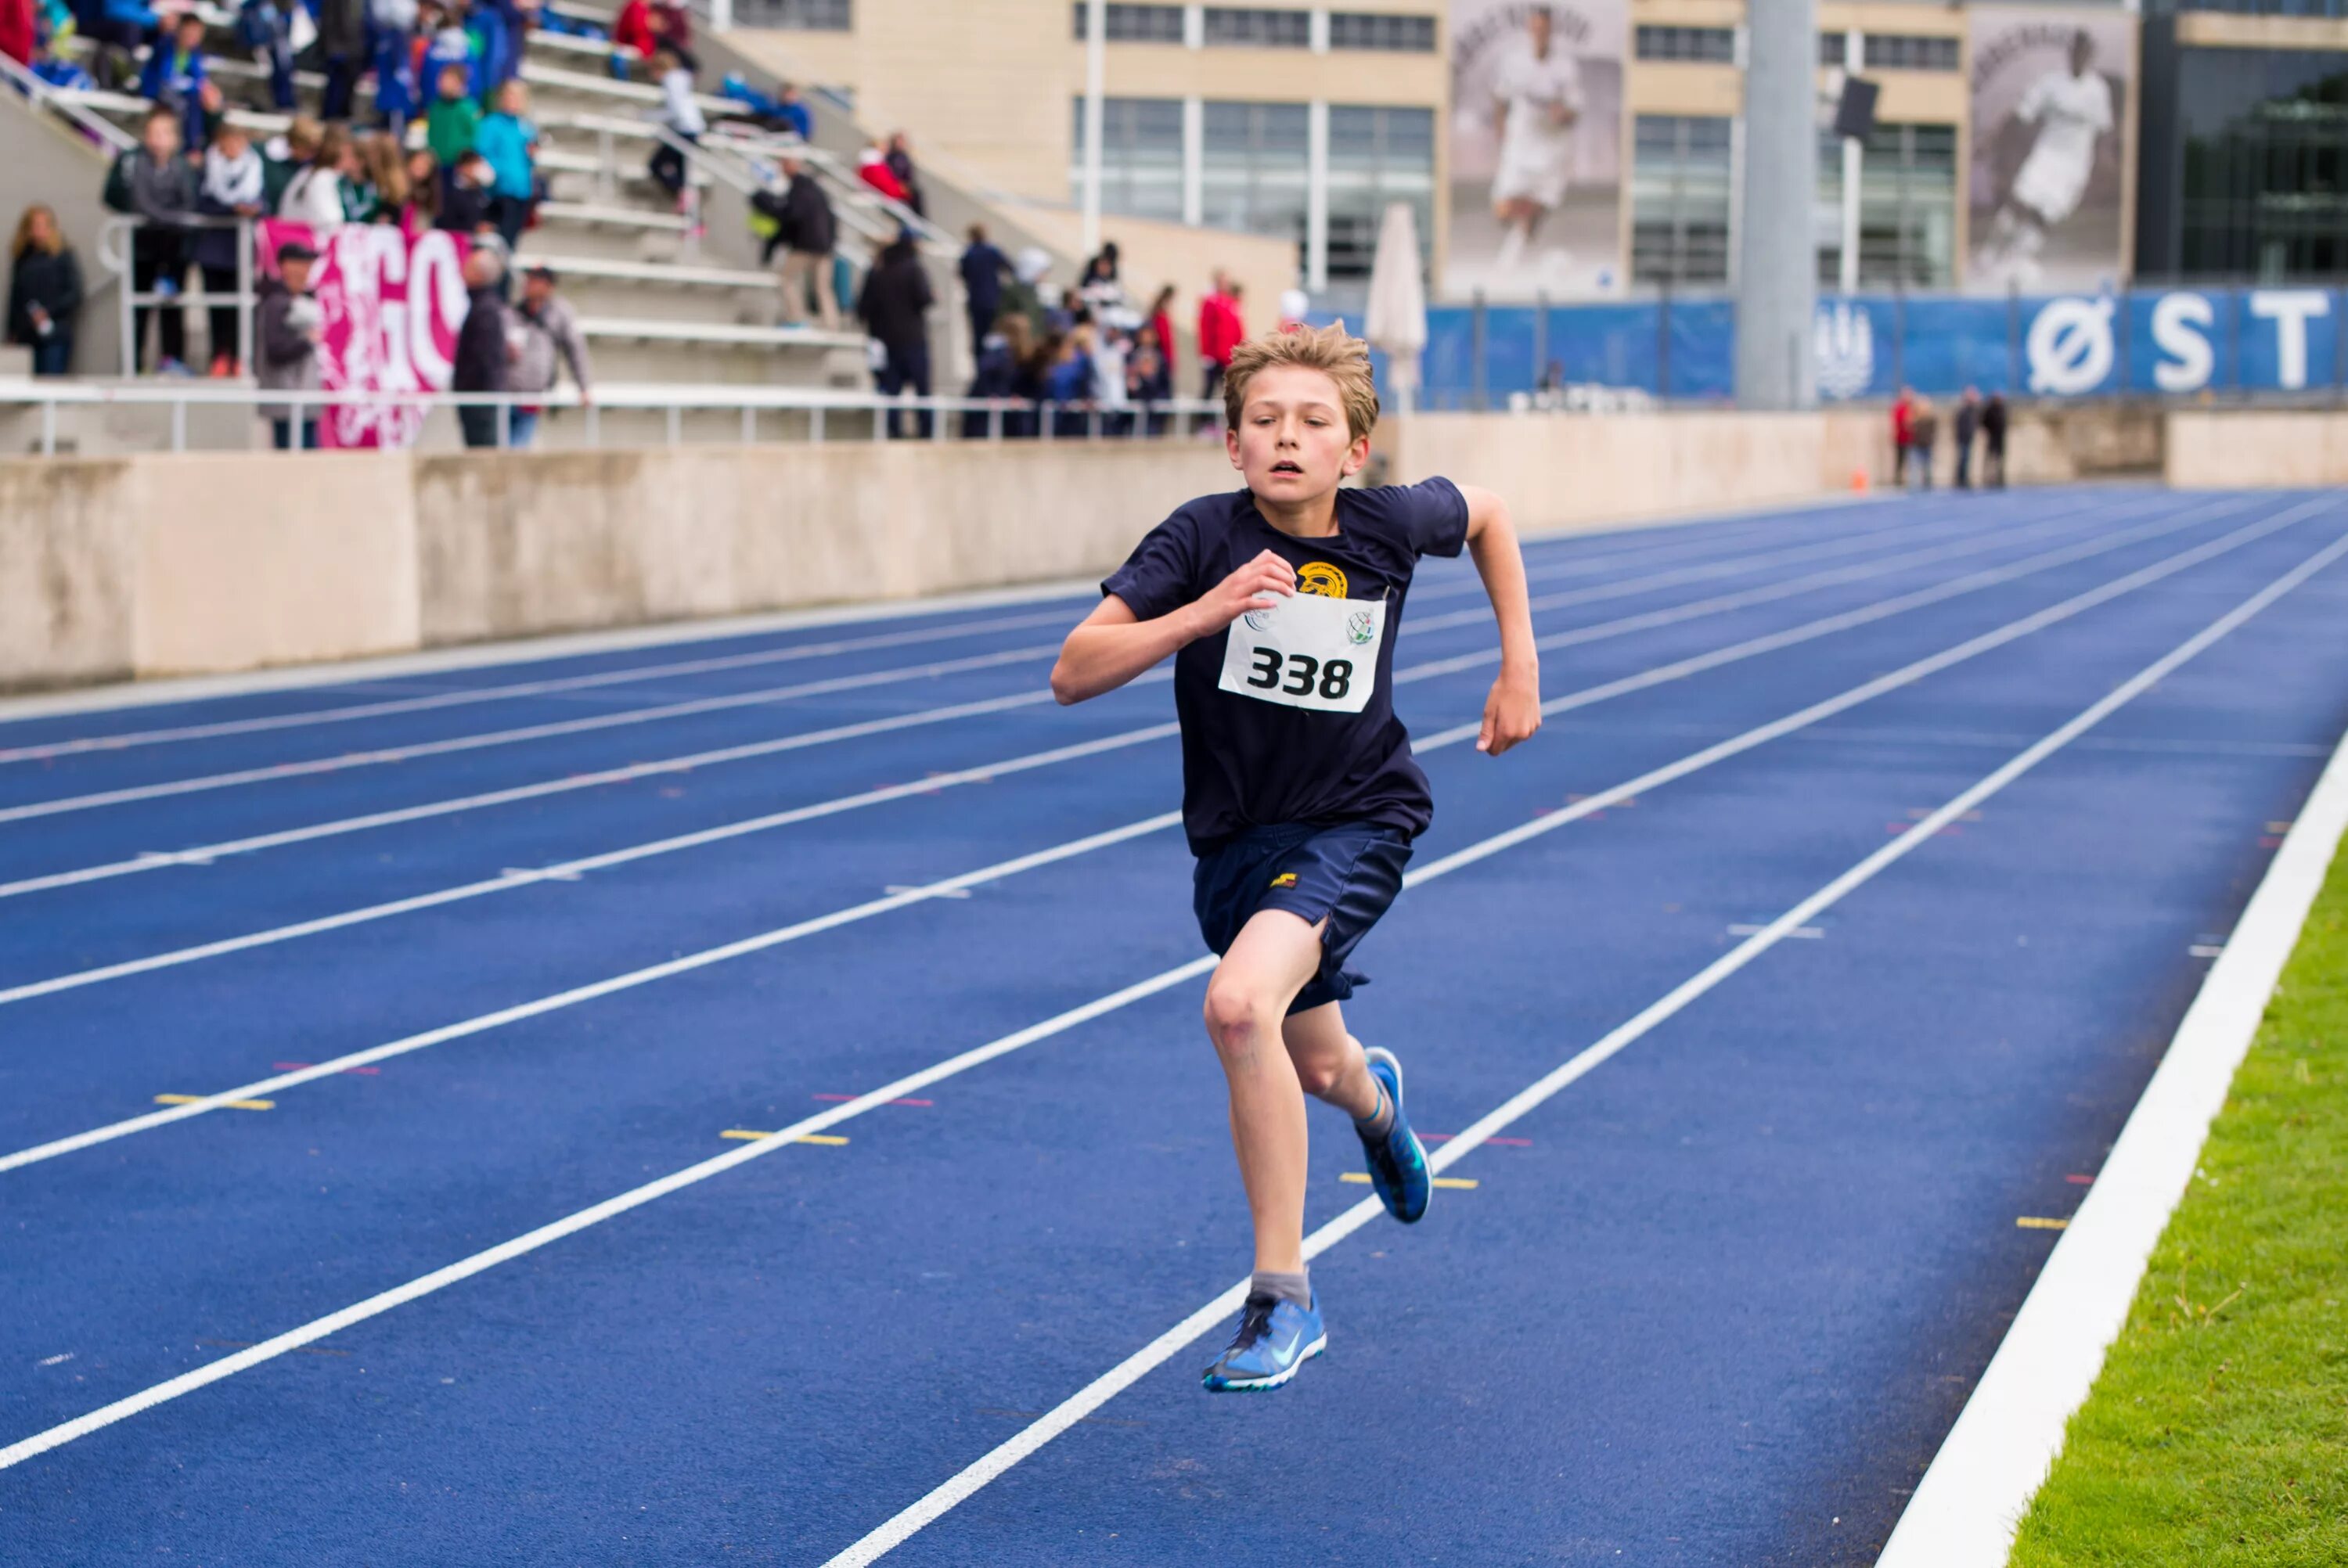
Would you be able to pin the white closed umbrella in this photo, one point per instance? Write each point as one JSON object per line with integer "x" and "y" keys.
{"x": 1396, "y": 323}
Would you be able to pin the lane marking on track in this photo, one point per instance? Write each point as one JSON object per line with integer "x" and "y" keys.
{"x": 298, "y": 1066}
{"x": 843, "y": 1099}
{"x": 1749, "y": 929}
{"x": 591, "y": 724}
{"x": 1460, "y": 1183}
{"x": 744, "y": 1136}
{"x": 1545, "y": 823}
{"x": 205, "y": 855}
{"x": 567, "y": 871}
{"x": 911, "y": 1520}
{"x": 1505, "y": 1143}
{"x": 225, "y": 1104}
{"x": 2033, "y": 1223}
{"x": 1070, "y": 1412}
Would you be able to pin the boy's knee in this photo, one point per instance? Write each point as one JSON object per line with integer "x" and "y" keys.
{"x": 1238, "y": 1018}
{"x": 1317, "y": 1076}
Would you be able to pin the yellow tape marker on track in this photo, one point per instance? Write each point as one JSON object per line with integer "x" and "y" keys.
{"x": 1462, "y": 1184}
{"x": 2033, "y": 1222}
{"x": 747, "y": 1136}
{"x": 232, "y": 1105}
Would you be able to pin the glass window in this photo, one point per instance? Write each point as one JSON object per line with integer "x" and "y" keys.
{"x": 1375, "y": 30}
{"x": 1141, "y": 157}
{"x": 1826, "y": 210}
{"x": 1253, "y": 169}
{"x": 2265, "y": 177}
{"x": 1679, "y": 199}
{"x": 1832, "y": 47}
{"x": 797, "y": 16}
{"x": 1717, "y": 44}
{"x": 1259, "y": 26}
{"x": 1908, "y": 207}
{"x": 1910, "y": 52}
{"x": 1377, "y": 156}
{"x": 1132, "y": 24}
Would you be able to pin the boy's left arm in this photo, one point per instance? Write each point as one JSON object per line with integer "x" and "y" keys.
{"x": 1513, "y": 711}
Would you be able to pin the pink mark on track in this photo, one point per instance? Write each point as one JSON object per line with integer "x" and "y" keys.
{"x": 843, "y": 1099}
{"x": 2078, "y": 1181}
{"x": 298, "y": 1066}
{"x": 1447, "y": 1137}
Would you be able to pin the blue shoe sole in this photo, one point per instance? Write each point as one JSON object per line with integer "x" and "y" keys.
{"x": 1215, "y": 1384}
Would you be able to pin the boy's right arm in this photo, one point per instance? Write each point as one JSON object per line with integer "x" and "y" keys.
{"x": 1111, "y": 646}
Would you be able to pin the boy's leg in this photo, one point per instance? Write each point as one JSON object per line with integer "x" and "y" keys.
{"x": 1266, "y": 965}
{"x": 1328, "y": 1062}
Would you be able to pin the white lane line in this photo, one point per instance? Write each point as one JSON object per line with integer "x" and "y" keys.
{"x": 204, "y": 855}
{"x": 223, "y": 727}
{"x": 1660, "y": 675}
{"x": 1970, "y": 1500}
{"x": 904, "y": 1525}
{"x": 473, "y": 743}
{"x": 464, "y": 1268}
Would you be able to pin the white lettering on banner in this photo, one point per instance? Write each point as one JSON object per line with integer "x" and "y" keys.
{"x": 2290, "y": 309}
{"x": 1307, "y": 651}
{"x": 2070, "y": 346}
{"x": 2180, "y": 325}
{"x": 435, "y": 288}
{"x": 1843, "y": 338}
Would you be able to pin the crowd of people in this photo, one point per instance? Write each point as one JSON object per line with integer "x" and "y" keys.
{"x": 1916, "y": 434}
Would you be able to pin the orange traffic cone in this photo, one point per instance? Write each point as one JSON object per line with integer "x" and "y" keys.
{"x": 1859, "y": 481}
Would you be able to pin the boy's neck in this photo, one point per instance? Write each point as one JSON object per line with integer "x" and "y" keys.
{"x": 1314, "y": 517}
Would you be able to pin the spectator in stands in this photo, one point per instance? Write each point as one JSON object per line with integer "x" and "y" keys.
{"x": 286, "y": 155}
{"x": 447, "y": 43}
{"x": 894, "y": 308}
{"x": 1903, "y": 433}
{"x": 465, "y": 201}
{"x": 672, "y": 28}
{"x": 1924, "y": 429}
{"x": 266, "y": 27}
{"x": 793, "y": 113}
{"x": 423, "y": 194}
{"x": 1149, "y": 375}
{"x": 483, "y": 360}
{"x": 342, "y": 52}
{"x": 453, "y": 123}
{"x": 1103, "y": 291}
{"x": 681, "y": 115}
{"x": 391, "y": 46}
{"x": 509, "y": 139}
{"x": 806, "y": 234}
{"x": 550, "y": 339}
{"x": 19, "y": 38}
{"x": 1110, "y": 350}
{"x": 632, "y": 28}
{"x": 384, "y": 181}
{"x": 286, "y": 327}
{"x": 117, "y": 30}
{"x": 44, "y": 292}
{"x": 1061, "y": 320}
{"x": 1993, "y": 424}
{"x": 1161, "y": 317}
{"x": 175, "y": 79}
{"x": 899, "y": 159}
{"x": 153, "y": 183}
{"x": 1068, "y": 379}
{"x": 1222, "y": 329}
{"x": 1024, "y": 294}
{"x": 496, "y": 27}
{"x": 996, "y": 373}
{"x": 1968, "y": 421}
{"x": 873, "y": 168}
{"x": 982, "y": 269}
{"x": 324, "y": 193}
{"x": 233, "y": 186}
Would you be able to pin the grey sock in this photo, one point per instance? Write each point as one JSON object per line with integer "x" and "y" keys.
{"x": 1296, "y": 1287}
{"x": 1378, "y": 1123}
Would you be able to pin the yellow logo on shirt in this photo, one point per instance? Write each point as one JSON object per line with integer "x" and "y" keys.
{"x": 1319, "y": 576}
{"x": 1285, "y": 879}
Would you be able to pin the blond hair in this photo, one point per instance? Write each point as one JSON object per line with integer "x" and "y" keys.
{"x": 1331, "y": 350}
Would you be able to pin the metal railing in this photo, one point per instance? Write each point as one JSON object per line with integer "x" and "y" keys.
{"x": 116, "y": 242}
{"x": 990, "y": 420}
{"x": 66, "y": 105}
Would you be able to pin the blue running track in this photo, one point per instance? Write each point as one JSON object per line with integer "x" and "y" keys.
{"x": 440, "y": 1248}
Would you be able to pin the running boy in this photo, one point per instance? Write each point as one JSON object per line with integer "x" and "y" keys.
{"x": 1280, "y": 603}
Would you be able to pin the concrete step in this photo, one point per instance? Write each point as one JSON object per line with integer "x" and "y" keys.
{"x": 645, "y": 290}
{"x": 693, "y": 354}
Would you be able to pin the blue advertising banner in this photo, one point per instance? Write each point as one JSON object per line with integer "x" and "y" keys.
{"x": 2154, "y": 343}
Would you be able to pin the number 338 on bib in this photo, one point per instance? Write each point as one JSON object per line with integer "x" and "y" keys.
{"x": 1307, "y": 651}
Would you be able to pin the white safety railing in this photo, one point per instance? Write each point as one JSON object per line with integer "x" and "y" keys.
{"x": 67, "y": 105}
{"x": 949, "y": 419}
{"x": 117, "y": 240}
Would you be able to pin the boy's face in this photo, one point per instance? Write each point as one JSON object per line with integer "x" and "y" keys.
{"x": 1291, "y": 443}
{"x": 162, "y": 137}
{"x": 191, "y": 34}
{"x": 296, "y": 273}
{"x": 452, "y": 83}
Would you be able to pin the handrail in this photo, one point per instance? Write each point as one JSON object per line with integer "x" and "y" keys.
{"x": 129, "y": 302}
{"x": 61, "y": 102}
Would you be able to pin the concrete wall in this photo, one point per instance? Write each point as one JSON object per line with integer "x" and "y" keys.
{"x": 2245, "y": 447}
{"x": 204, "y": 562}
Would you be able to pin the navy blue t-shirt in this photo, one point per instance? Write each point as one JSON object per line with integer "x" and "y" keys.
{"x": 1249, "y": 761}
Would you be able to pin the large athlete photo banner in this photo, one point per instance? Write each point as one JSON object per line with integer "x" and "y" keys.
{"x": 387, "y": 305}
{"x": 1537, "y": 160}
{"x": 2053, "y": 127}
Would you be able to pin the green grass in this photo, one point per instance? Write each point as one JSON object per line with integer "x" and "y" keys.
{"x": 2217, "y": 1436}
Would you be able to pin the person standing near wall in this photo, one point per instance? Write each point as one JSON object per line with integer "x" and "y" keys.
{"x": 983, "y": 268}
{"x": 286, "y": 325}
{"x": 1968, "y": 422}
{"x": 153, "y": 183}
{"x": 509, "y": 139}
{"x": 44, "y": 292}
{"x": 483, "y": 361}
{"x": 1903, "y": 434}
{"x": 1222, "y": 330}
{"x": 1925, "y": 429}
{"x": 894, "y": 308}
{"x": 1992, "y": 424}
{"x": 234, "y": 186}
{"x": 805, "y": 237}
{"x": 550, "y": 339}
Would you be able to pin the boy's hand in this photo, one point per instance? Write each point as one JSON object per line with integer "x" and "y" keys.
{"x": 1259, "y": 585}
{"x": 1511, "y": 714}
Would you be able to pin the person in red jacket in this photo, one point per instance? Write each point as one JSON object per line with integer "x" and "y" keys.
{"x": 17, "y": 36}
{"x": 873, "y": 168}
{"x": 632, "y": 28}
{"x": 1222, "y": 330}
{"x": 1903, "y": 433}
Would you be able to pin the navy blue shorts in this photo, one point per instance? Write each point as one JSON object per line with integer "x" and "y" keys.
{"x": 1347, "y": 874}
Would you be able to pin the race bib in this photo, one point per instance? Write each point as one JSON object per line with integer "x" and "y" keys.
{"x": 1307, "y": 651}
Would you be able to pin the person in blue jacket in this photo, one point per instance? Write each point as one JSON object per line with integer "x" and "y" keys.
{"x": 266, "y": 27}
{"x": 174, "y": 80}
{"x": 509, "y": 139}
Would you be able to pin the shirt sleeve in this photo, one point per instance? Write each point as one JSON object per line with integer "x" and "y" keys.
{"x": 1156, "y": 578}
{"x": 1432, "y": 516}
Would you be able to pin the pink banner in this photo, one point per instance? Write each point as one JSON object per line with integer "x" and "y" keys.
{"x": 390, "y": 305}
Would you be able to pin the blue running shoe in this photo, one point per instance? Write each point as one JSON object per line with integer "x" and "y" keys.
{"x": 1397, "y": 1161}
{"x": 1276, "y": 1337}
